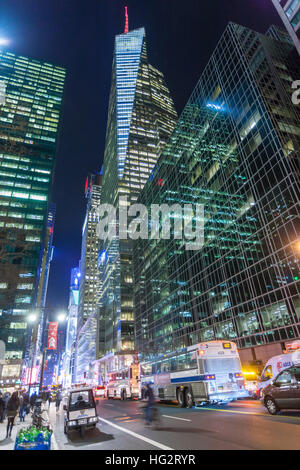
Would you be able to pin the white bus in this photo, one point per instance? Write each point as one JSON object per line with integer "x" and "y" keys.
{"x": 124, "y": 383}
{"x": 204, "y": 373}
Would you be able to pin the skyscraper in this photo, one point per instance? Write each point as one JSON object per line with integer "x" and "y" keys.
{"x": 71, "y": 332}
{"x": 235, "y": 151}
{"x": 141, "y": 117}
{"x": 90, "y": 282}
{"x": 289, "y": 11}
{"x": 29, "y": 120}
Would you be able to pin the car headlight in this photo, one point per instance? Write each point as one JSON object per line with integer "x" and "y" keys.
{"x": 94, "y": 419}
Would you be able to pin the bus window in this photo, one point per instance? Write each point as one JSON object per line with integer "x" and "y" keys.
{"x": 165, "y": 366}
{"x": 146, "y": 369}
{"x": 181, "y": 362}
{"x": 174, "y": 364}
{"x": 191, "y": 360}
{"x": 156, "y": 368}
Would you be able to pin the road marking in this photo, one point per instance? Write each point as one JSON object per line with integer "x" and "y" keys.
{"x": 137, "y": 436}
{"x": 108, "y": 404}
{"x": 233, "y": 411}
{"x": 174, "y": 417}
{"x": 249, "y": 413}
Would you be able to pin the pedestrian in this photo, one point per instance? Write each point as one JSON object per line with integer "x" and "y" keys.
{"x": 2, "y": 407}
{"x": 22, "y": 408}
{"x": 12, "y": 411}
{"x": 58, "y": 400}
{"x": 149, "y": 395}
{"x": 6, "y": 397}
{"x": 33, "y": 400}
{"x": 26, "y": 403}
{"x": 49, "y": 399}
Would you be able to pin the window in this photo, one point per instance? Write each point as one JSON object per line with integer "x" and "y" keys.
{"x": 25, "y": 286}
{"x": 18, "y": 326}
{"x": 284, "y": 378}
{"x": 296, "y": 372}
{"x": 267, "y": 374}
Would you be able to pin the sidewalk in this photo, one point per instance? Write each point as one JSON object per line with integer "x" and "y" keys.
{"x": 9, "y": 443}
{"x": 54, "y": 419}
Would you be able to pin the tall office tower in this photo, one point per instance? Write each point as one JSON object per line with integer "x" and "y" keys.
{"x": 35, "y": 341}
{"x": 29, "y": 120}
{"x": 289, "y": 11}
{"x": 90, "y": 283}
{"x": 141, "y": 117}
{"x": 71, "y": 331}
{"x": 235, "y": 150}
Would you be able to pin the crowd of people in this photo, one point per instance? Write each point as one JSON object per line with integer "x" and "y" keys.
{"x": 20, "y": 403}
{"x": 11, "y": 405}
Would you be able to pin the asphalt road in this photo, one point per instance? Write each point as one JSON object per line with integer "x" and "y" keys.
{"x": 236, "y": 426}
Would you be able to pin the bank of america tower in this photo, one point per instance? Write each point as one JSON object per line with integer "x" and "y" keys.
{"x": 141, "y": 117}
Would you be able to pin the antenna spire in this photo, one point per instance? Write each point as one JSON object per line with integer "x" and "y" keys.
{"x": 126, "y": 21}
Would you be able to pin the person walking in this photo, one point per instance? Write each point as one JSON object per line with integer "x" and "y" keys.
{"x": 149, "y": 395}
{"x": 32, "y": 400}
{"x": 2, "y": 407}
{"x": 49, "y": 399}
{"x": 58, "y": 400}
{"x": 26, "y": 403}
{"x": 12, "y": 411}
{"x": 22, "y": 409}
{"x": 6, "y": 397}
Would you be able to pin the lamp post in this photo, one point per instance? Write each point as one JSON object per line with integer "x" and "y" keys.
{"x": 32, "y": 318}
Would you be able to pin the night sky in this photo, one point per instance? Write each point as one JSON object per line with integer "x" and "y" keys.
{"x": 79, "y": 34}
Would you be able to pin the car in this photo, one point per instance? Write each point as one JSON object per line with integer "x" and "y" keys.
{"x": 277, "y": 364}
{"x": 99, "y": 391}
{"x": 252, "y": 388}
{"x": 283, "y": 392}
{"x": 80, "y": 411}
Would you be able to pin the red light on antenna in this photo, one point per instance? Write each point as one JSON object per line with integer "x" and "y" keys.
{"x": 126, "y": 21}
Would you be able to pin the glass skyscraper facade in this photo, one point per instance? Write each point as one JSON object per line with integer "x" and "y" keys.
{"x": 71, "y": 331}
{"x": 90, "y": 282}
{"x": 234, "y": 150}
{"x": 289, "y": 11}
{"x": 29, "y": 120}
{"x": 141, "y": 117}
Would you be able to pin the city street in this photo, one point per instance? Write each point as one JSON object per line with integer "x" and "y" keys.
{"x": 239, "y": 425}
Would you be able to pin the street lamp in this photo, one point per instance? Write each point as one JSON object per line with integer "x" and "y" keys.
{"x": 61, "y": 317}
{"x": 4, "y": 41}
{"x": 32, "y": 318}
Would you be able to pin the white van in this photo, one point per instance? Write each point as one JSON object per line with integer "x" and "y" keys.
{"x": 275, "y": 365}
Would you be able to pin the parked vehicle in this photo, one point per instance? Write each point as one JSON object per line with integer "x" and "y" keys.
{"x": 99, "y": 391}
{"x": 283, "y": 392}
{"x": 124, "y": 383}
{"x": 275, "y": 365}
{"x": 208, "y": 372}
{"x": 251, "y": 383}
{"x": 80, "y": 411}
